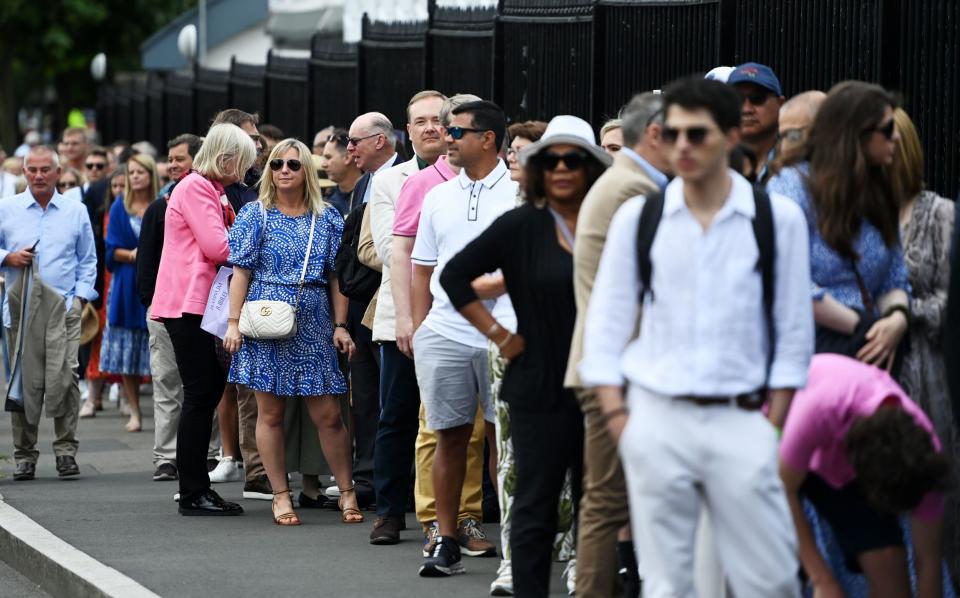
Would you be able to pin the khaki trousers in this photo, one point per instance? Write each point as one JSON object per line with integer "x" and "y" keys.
{"x": 65, "y": 427}
{"x": 168, "y": 398}
{"x": 247, "y": 409}
{"x": 603, "y": 508}
{"x": 471, "y": 498}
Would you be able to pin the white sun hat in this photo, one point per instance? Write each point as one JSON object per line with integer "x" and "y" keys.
{"x": 570, "y": 130}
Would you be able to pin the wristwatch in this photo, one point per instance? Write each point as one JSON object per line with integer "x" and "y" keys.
{"x": 340, "y": 325}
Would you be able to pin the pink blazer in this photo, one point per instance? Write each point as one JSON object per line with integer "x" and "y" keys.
{"x": 194, "y": 245}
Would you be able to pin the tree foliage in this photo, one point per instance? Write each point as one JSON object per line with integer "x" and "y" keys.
{"x": 46, "y": 47}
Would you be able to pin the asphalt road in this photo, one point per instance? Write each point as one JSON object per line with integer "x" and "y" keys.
{"x": 115, "y": 513}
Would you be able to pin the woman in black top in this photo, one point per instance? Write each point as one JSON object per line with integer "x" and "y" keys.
{"x": 532, "y": 246}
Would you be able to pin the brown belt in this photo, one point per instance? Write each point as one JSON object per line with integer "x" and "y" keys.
{"x": 751, "y": 401}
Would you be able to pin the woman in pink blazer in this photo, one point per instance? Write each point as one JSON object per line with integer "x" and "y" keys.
{"x": 194, "y": 245}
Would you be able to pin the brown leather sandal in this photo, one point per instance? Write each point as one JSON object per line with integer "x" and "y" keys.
{"x": 289, "y": 518}
{"x": 349, "y": 515}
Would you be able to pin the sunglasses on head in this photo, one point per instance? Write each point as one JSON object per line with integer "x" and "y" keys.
{"x": 885, "y": 129}
{"x": 757, "y": 98}
{"x": 95, "y": 165}
{"x": 292, "y": 164}
{"x": 342, "y": 139}
{"x": 458, "y": 132}
{"x": 572, "y": 160}
{"x": 695, "y": 135}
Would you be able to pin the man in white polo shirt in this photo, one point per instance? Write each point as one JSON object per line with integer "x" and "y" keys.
{"x": 450, "y": 355}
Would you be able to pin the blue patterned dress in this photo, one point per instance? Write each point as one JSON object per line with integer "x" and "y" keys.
{"x": 306, "y": 364}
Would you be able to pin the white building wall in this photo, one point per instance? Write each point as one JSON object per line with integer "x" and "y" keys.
{"x": 250, "y": 46}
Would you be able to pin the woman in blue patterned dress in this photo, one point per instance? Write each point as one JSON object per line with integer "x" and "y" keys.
{"x": 860, "y": 286}
{"x": 268, "y": 244}
{"x": 859, "y": 278}
{"x": 125, "y": 348}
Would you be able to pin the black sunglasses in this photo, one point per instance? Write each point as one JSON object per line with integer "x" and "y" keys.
{"x": 355, "y": 141}
{"x": 95, "y": 165}
{"x": 886, "y": 130}
{"x": 292, "y": 164}
{"x": 757, "y": 98}
{"x": 695, "y": 135}
{"x": 458, "y": 132}
{"x": 550, "y": 161}
{"x": 342, "y": 138}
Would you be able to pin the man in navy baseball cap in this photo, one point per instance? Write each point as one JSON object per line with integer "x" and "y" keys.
{"x": 762, "y": 97}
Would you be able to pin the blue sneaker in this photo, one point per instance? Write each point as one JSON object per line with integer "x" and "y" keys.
{"x": 445, "y": 559}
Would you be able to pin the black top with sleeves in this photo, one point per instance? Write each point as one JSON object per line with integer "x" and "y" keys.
{"x": 539, "y": 278}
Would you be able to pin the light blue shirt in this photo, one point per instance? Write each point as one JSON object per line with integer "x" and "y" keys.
{"x": 658, "y": 177}
{"x": 388, "y": 164}
{"x": 66, "y": 255}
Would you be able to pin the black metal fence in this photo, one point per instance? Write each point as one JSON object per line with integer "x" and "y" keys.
{"x": 538, "y": 58}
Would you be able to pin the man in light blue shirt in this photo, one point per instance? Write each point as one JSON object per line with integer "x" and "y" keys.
{"x": 42, "y": 228}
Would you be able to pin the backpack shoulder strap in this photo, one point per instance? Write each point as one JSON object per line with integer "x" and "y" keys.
{"x": 646, "y": 230}
{"x": 763, "y": 231}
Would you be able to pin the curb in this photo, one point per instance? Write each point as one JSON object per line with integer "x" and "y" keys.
{"x": 57, "y": 567}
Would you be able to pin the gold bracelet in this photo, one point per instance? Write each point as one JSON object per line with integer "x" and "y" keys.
{"x": 494, "y": 328}
{"x": 505, "y": 341}
{"x": 237, "y": 320}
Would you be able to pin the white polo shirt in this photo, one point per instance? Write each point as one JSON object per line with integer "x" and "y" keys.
{"x": 454, "y": 213}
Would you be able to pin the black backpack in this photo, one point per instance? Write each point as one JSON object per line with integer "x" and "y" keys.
{"x": 357, "y": 281}
{"x": 763, "y": 231}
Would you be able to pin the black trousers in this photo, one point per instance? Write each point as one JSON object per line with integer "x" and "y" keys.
{"x": 397, "y": 433}
{"x": 365, "y": 385}
{"x": 203, "y": 383}
{"x": 545, "y": 446}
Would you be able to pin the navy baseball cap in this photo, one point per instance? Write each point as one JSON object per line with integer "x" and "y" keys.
{"x": 758, "y": 74}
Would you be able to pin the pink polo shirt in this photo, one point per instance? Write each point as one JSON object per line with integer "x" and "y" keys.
{"x": 839, "y": 391}
{"x": 407, "y": 217}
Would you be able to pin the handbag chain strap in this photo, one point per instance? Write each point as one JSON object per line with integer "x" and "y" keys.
{"x": 306, "y": 261}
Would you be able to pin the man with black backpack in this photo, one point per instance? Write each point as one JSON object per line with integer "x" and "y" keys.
{"x": 723, "y": 274}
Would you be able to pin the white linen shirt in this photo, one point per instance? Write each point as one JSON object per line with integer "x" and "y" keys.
{"x": 703, "y": 330}
{"x": 454, "y": 213}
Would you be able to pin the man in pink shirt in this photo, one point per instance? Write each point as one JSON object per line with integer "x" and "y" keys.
{"x": 863, "y": 453}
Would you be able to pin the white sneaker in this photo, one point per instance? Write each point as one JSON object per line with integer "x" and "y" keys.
{"x": 333, "y": 491}
{"x": 570, "y": 574}
{"x": 503, "y": 584}
{"x": 227, "y": 470}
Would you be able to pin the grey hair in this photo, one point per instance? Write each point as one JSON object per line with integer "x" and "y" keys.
{"x": 381, "y": 124}
{"x": 42, "y": 149}
{"x": 453, "y": 102}
{"x": 641, "y": 111}
{"x": 145, "y": 147}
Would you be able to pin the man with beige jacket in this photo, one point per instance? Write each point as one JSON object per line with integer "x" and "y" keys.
{"x": 638, "y": 169}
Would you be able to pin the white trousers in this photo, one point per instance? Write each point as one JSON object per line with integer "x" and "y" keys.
{"x": 680, "y": 458}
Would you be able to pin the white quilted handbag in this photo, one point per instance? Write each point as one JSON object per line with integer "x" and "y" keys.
{"x": 274, "y": 320}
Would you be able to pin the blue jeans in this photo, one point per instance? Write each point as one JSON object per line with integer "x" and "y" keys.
{"x": 396, "y": 432}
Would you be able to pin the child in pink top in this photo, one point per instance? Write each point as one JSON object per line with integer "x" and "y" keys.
{"x": 862, "y": 452}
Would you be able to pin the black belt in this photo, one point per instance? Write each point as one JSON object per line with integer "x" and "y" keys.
{"x": 751, "y": 401}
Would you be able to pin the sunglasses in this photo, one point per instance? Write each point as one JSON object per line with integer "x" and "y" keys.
{"x": 695, "y": 135}
{"x": 458, "y": 132}
{"x": 342, "y": 139}
{"x": 355, "y": 141}
{"x": 793, "y": 135}
{"x": 758, "y": 98}
{"x": 67, "y": 185}
{"x": 95, "y": 165}
{"x": 886, "y": 129}
{"x": 572, "y": 160}
{"x": 292, "y": 164}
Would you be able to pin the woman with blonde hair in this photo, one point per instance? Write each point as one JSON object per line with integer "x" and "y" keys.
{"x": 926, "y": 228}
{"x": 125, "y": 348}
{"x": 194, "y": 245}
{"x": 283, "y": 249}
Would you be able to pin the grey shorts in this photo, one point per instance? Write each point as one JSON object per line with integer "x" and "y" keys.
{"x": 453, "y": 377}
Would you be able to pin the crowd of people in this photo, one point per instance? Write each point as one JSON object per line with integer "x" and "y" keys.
{"x": 702, "y": 352}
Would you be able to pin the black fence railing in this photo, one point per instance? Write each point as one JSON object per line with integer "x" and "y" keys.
{"x": 538, "y": 58}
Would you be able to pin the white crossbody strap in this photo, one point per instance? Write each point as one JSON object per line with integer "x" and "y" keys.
{"x": 306, "y": 260}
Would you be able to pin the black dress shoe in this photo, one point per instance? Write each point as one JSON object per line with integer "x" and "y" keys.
{"x": 67, "y": 466}
{"x": 25, "y": 471}
{"x": 208, "y": 503}
{"x": 321, "y": 502}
